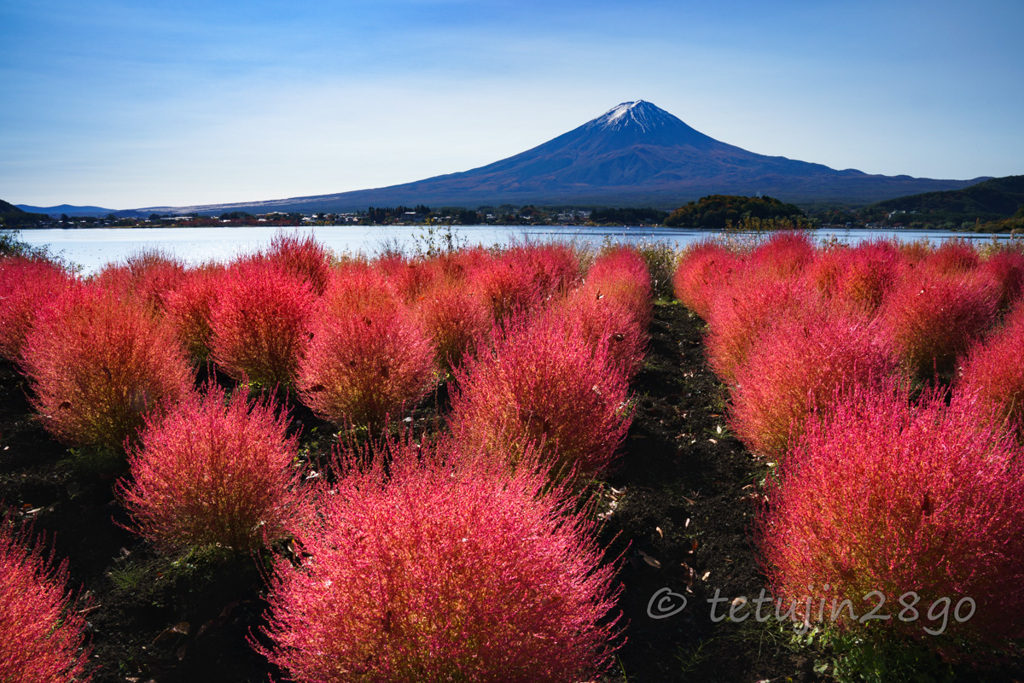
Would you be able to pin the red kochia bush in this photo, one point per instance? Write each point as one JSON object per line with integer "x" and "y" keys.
{"x": 621, "y": 273}
{"x": 783, "y": 255}
{"x": 544, "y": 386}
{"x": 953, "y": 257}
{"x": 189, "y": 308}
{"x": 41, "y": 638}
{"x": 522, "y": 278}
{"x": 440, "y": 573}
{"x": 97, "y": 363}
{"x": 702, "y": 272}
{"x": 362, "y": 366}
{"x": 455, "y": 320}
{"x": 302, "y": 257}
{"x": 148, "y": 276}
{"x": 213, "y": 472}
{"x": 1006, "y": 268}
{"x": 26, "y": 285}
{"x": 884, "y": 495}
{"x": 932, "y": 319}
{"x": 795, "y": 371}
{"x": 260, "y": 323}
{"x": 993, "y": 370}
{"x": 357, "y": 286}
{"x": 410, "y": 277}
{"x": 745, "y": 312}
{"x": 869, "y": 274}
{"x": 608, "y": 321}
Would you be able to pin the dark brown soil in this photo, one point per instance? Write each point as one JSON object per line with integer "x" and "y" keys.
{"x": 685, "y": 499}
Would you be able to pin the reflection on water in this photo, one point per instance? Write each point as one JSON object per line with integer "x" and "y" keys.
{"x": 92, "y": 248}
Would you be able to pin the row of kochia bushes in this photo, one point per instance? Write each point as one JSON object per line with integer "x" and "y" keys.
{"x": 885, "y": 381}
{"x": 468, "y": 557}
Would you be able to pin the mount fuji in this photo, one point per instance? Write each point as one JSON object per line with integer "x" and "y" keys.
{"x": 635, "y": 154}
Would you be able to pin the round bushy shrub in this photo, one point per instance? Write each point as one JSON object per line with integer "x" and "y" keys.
{"x": 301, "y": 257}
{"x": 620, "y": 273}
{"x": 953, "y": 257}
{"x": 795, "y": 372}
{"x": 260, "y": 323}
{"x": 96, "y": 363}
{"x": 148, "y": 276}
{"x": 189, "y": 308}
{"x": 606, "y": 321}
{"x": 441, "y": 573}
{"x": 745, "y": 312}
{"x": 544, "y": 386}
{"x": 702, "y": 272}
{"x": 918, "y": 501}
{"x": 993, "y": 370}
{"x": 26, "y": 286}
{"x": 455, "y": 320}
{"x": 933, "y": 319}
{"x": 1006, "y": 269}
{"x": 42, "y": 640}
{"x": 213, "y": 472}
{"x": 361, "y": 367}
{"x": 784, "y": 255}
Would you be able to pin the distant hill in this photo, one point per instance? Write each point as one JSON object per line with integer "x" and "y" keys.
{"x": 12, "y": 216}
{"x": 634, "y": 155}
{"x": 990, "y": 200}
{"x": 717, "y": 211}
{"x": 69, "y": 210}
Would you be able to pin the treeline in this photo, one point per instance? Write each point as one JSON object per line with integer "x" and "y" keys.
{"x": 14, "y": 218}
{"x": 628, "y": 216}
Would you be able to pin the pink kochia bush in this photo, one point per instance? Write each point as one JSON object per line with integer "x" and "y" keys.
{"x": 856, "y": 279}
{"x": 96, "y": 363}
{"x": 993, "y": 370}
{"x": 1006, "y": 268}
{"x": 301, "y": 257}
{"x": 953, "y": 257}
{"x": 26, "y": 285}
{"x": 213, "y": 471}
{"x": 784, "y": 255}
{"x": 745, "y": 313}
{"x": 189, "y": 308}
{"x": 41, "y": 638}
{"x": 456, "y": 321}
{"x": 443, "y": 573}
{"x": 361, "y": 367}
{"x": 702, "y": 272}
{"x": 932, "y": 319}
{"x": 795, "y": 371}
{"x": 896, "y": 497}
{"x": 544, "y": 386}
{"x": 148, "y": 277}
{"x": 621, "y": 274}
{"x": 605, "y": 321}
{"x": 260, "y": 323}
{"x": 522, "y": 278}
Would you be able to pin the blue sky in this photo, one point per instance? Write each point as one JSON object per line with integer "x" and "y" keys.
{"x": 128, "y": 104}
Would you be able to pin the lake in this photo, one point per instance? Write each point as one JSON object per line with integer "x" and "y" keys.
{"x": 92, "y": 248}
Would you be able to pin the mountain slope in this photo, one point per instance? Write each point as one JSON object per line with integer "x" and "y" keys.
{"x": 635, "y": 154}
{"x": 989, "y": 200}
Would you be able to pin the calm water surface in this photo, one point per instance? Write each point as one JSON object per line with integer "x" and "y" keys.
{"x": 92, "y": 248}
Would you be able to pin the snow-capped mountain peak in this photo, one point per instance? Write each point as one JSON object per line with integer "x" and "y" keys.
{"x": 641, "y": 114}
